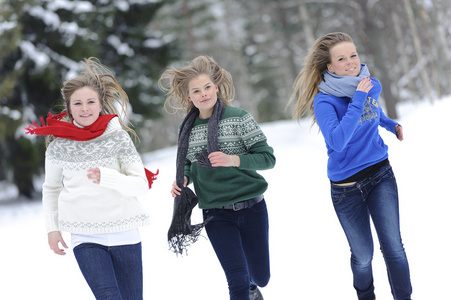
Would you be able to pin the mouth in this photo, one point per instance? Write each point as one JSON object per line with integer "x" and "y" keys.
{"x": 205, "y": 100}
{"x": 85, "y": 116}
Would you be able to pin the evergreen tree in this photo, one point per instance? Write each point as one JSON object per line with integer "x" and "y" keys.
{"x": 42, "y": 44}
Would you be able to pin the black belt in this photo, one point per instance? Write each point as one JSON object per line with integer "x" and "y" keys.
{"x": 243, "y": 204}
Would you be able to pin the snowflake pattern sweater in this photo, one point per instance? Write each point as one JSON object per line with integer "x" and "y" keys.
{"x": 238, "y": 134}
{"x": 75, "y": 204}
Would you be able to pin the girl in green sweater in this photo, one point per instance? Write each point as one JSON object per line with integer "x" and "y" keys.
{"x": 220, "y": 150}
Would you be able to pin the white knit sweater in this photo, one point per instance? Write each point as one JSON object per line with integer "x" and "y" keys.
{"x": 73, "y": 203}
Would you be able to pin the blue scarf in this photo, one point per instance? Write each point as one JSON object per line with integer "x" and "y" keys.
{"x": 342, "y": 86}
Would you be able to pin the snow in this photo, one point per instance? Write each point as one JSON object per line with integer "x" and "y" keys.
{"x": 122, "y": 48}
{"x": 309, "y": 252}
{"x": 40, "y": 58}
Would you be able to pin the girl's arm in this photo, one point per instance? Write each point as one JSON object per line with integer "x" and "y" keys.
{"x": 337, "y": 133}
{"x": 390, "y": 125}
{"x": 131, "y": 179}
{"x": 51, "y": 189}
{"x": 259, "y": 156}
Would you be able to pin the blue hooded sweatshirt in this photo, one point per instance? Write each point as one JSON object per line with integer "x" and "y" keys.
{"x": 351, "y": 130}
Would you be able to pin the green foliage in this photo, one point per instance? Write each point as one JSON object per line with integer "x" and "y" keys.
{"x": 25, "y": 160}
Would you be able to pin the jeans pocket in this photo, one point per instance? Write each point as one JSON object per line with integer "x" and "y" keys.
{"x": 337, "y": 198}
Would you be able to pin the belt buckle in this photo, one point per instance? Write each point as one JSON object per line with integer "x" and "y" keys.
{"x": 233, "y": 207}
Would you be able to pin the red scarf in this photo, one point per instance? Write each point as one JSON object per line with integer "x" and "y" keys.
{"x": 68, "y": 130}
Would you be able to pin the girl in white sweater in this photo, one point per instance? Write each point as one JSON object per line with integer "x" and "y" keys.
{"x": 93, "y": 174}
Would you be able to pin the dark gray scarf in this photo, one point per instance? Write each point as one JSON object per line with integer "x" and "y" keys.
{"x": 182, "y": 234}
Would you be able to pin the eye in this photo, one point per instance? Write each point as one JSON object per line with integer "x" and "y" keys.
{"x": 354, "y": 55}
{"x": 340, "y": 59}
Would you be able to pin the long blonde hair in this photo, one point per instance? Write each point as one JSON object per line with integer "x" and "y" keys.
{"x": 113, "y": 98}
{"x": 305, "y": 86}
{"x": 174, "y": 82}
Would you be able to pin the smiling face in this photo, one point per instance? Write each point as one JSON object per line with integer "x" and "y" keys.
{"x": 344, "y": 60}
{"x": 85, "y": 106}
{"x": 202, "y": 92}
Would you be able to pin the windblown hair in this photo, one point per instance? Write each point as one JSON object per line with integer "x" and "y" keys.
{"x": 113, "y": 98}
{"x": 174, "y": 82}
{"x": 315, "y": 63}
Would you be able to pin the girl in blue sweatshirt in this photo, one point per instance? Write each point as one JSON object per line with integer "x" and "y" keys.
{"x": 344, "y": 99}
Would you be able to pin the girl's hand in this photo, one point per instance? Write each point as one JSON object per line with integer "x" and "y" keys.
{"x": 175, "y": 191}
{"x": 220, "y": 159}
{"x": 94, "y": 175}
{"x": 55, "y": 238}
{"x": 399, "y": 133}
{"x": 365, "y": 85}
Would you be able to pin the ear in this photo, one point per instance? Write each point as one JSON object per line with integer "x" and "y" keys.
{"x": 189, "y": 98}
{"x": 329, "y": 68}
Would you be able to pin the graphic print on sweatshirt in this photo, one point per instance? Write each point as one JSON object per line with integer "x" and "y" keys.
{"x": 369, "y": 111}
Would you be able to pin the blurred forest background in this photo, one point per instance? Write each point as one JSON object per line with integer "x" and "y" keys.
{"x": 406, "y": 44}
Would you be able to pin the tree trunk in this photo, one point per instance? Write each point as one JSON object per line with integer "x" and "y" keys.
{"x": 417, "y": 46}
{"x": 403, "y": 57}
{"x": 286, "y": 38}
{"x": 376, "y": 35}
{"x": 443, "y": 55}
{"x": 432, "y": 50}
{"x": 303, "y": 13}
{"x": 238, "y": 66}
{"x": 189, "y": 21}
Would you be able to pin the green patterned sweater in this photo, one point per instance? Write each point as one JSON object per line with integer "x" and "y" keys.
{"x": 238, "y": 134}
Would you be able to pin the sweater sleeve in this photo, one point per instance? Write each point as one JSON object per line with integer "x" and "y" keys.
{"x": 337, "y": 133}
{"x": 259, "y": 156}
{"x": 388, "y": 123}
{"x": 51, "y": 190}
{"x": 131, "y": 183}
{"x": 131, "y": 180}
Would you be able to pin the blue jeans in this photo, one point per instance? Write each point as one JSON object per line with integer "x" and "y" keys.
{"x": 112, "y": 273}
{"x": 376, "y": 196}
{"x": 240, "y": 240}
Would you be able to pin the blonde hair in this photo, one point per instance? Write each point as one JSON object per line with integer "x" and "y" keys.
{"x": 113, "y": 98}
{"x": 177, "y": 81}
{"x": 305, "y": 86}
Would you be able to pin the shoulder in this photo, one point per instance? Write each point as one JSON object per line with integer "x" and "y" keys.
{"x": 231, "y": 111}
{"x": 113, "y": 125}
{"x": 376, "y": 85}
{"x": 56, "y": 145}
{"x": 375, "y": 80}
{"x": 325, "y": 98}
{"x": 114, "y": 132}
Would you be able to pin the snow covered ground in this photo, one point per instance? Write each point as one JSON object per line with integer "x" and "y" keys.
{"x": 309, "y": 252}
